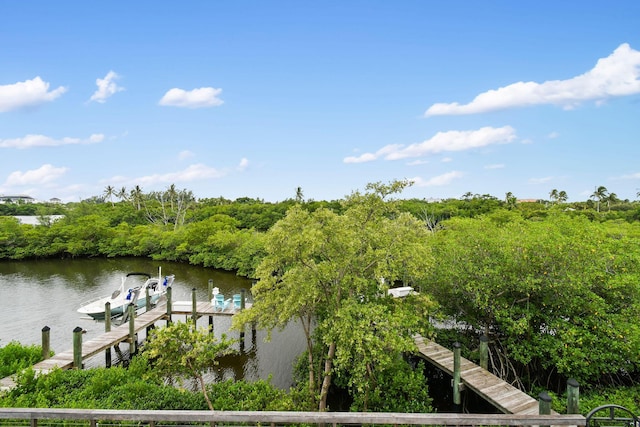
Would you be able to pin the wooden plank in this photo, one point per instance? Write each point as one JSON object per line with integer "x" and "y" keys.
{"x": 499, "y": 393}
{"x": 291, "y": 417}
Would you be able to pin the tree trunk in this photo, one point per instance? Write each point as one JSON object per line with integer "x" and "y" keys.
{"x": 326, "y": 382}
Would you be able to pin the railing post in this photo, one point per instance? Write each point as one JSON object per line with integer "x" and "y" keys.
{"x": 456, "y": 374}
{"x": 77, "y": 347}
{"x": 573, "y": 396}
{"x": 544, "y": 404}
{"x": 132, "y": 329}
{"x": 46, "y": 342}
{"x": 484, "y": 352}
{"x": 169, "y": 305}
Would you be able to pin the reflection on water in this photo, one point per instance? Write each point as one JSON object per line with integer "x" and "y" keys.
{"x": 35, "y": 294}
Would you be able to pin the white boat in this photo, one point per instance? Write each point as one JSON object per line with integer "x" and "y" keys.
{"x": 400, "y": 292}
{"x": 129, "y": 291}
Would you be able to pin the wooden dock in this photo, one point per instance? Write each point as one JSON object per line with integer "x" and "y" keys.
{"x": 507, "y": 398}
{"x": 98, "y": 345}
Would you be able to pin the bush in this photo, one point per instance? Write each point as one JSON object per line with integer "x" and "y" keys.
{"x": 15, "y": 357}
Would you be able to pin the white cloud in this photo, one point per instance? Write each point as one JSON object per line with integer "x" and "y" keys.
{"x": 437, "y": 181}
{"x": 43, "y": 175}
{"x": 29, "y": 93}
{"x": 543, "y": 180}
{"x": 417, "y": 162}
{"x": 446, "y": 160}
{"x": 453, "y": 140}
{"x": 553, "y": 135}
{"x": 616, "y": 75}
{"x": 196, "y": 98}
{"x": 191, "y": 173}
{"x": 106, "y": 87}
{"x": 185, "y": 154}
{"x": 30, "y": 141}
{"x": 635, "y": 175}
{"x": 244, "y": 163}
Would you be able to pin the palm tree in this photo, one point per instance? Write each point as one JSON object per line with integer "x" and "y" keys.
{"x": 611, "y": 198}
{"x": 562, "y": 196}
{"x": 109, "y": 192}
{"x": 553, "y": 195}
{"x": 299, "y": 195}
{"x": 136, "y": 197}
{"x": 122, "y": 194}
{"x": 510, "y": 200}
{"x": 599, "y": 195}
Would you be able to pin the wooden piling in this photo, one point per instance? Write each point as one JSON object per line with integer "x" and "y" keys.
{"x": 242, "y": 298}
{"x": 46, "y": 342}
{"x": 484, "y": 352}
{"x": 169, "y": 304}
{"x": 194, "y": 307}
{"x": 456, "y": 374}
{"x": 210, "y": 298}
{"x": 107, "y": 328}
{"x": 132, "y": 329}
{"x": 77, "y": 347}
{"x": 573, "y": 396}
{"x": 544, "y": 404}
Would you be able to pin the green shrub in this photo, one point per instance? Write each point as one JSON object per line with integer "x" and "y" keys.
{"x": 15, "y": 357}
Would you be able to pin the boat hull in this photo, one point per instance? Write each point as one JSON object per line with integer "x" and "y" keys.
{"x": 119, "y": 301}
{"x": 97, "y": 310}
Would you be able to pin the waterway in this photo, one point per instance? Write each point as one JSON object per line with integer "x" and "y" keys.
{"x": 47, "y": 293}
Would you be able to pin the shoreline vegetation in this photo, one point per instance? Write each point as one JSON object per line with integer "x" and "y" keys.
{"x": 553, "y": 285}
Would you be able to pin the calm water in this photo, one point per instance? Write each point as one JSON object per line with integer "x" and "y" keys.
{"x": 35, "y": 294}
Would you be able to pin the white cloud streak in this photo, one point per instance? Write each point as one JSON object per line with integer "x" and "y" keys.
{"x": 244, "y": 163}
{"x": 107, "y": 87}
{"x": 43, "y": 175}
{"x": 197, "y": 98}
{"x": 613, "y": 76}
{"x": 437, "y": 181}
{"x": 31, "y": 141}
{"x": 192, "y": 173}
{"x": 29, "y": 93}
{"x": 453, "y": 140}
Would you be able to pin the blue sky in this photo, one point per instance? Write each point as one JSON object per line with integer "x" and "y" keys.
{"x": 257, "y": 98}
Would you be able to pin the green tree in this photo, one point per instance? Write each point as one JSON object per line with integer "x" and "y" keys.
{"x": 558, "y": 297}
{"x": 599, "y": 195}
{"x": 562, "y": 196}
{"x": 183, "y": 351}
{"x": 109, "y": 192}
{"x": 332, "y": 271}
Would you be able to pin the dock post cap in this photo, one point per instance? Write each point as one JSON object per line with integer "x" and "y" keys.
{"x": 573, "y": 382}
{"x": 544, "y": 396}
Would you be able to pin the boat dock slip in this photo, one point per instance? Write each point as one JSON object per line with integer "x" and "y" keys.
{"x": 122, "y": 333}
{"x": 502, "y": 395}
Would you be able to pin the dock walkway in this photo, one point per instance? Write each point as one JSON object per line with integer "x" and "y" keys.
{"x": 64, "y": 359}
{"x": 502, "y": 395}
